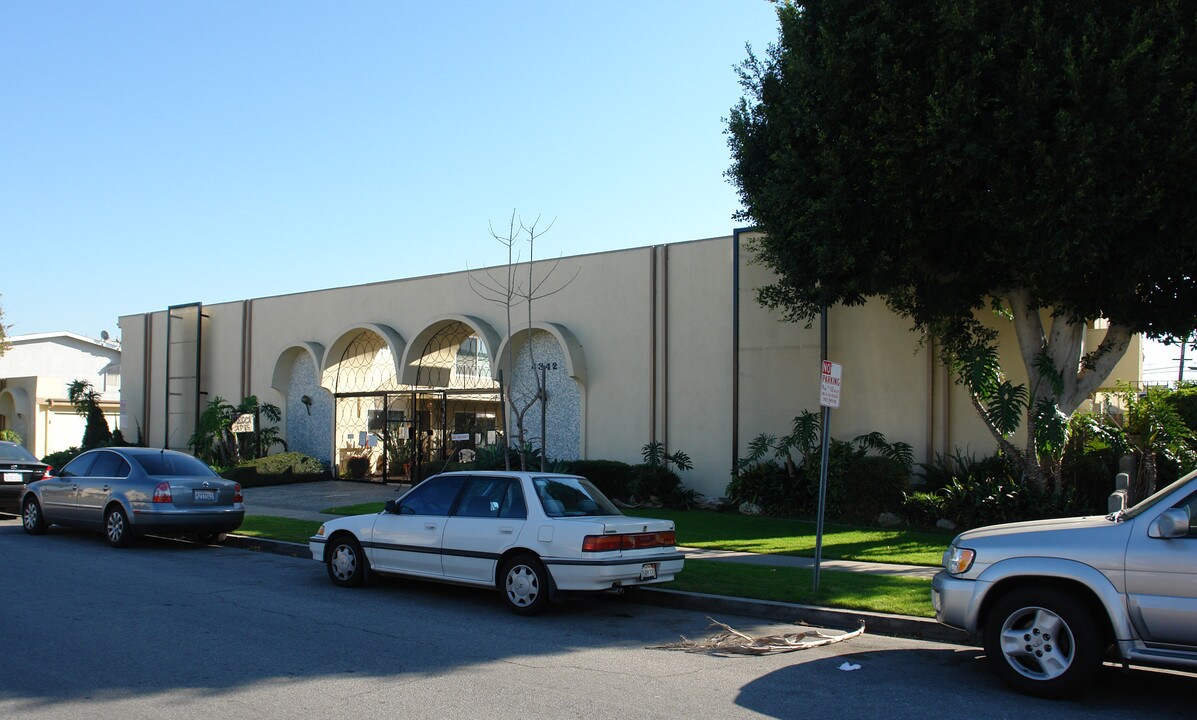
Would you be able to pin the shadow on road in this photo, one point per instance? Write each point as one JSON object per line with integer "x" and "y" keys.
{"x": 892, "y": 683}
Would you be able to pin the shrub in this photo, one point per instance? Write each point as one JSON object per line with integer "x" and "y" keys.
{"x": 428, "y": 469}
{"x": 770, "y": 487}
{"x": 281, "y": 469}
{"x": 358, "y": 467}
{"x": 612, "y": 477}
{"x": 62, "y": 457}
{"x": 870, "y": 486}
{"x": 286, "y": 463}
{"x": 923, "y": 508}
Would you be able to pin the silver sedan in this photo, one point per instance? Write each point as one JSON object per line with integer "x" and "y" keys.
{"x": 133, "y": 491}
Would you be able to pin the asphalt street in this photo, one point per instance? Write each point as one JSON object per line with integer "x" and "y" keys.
{"x": 173, "y": 629}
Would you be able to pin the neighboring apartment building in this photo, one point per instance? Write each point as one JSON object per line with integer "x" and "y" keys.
{"x": 653, "y": 344}
{"x": 34, "y": 374}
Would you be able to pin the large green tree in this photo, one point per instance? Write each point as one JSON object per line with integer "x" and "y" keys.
{"x": 955, "y": 156}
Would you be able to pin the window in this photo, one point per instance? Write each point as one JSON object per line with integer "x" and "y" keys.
{"x": 15, "y": 452}
{"x": 571, "y": 497}
{"x": 171, "y": 464}
{"x": 433, "y": 497}
{"x": 109, "y": 465}
{"x": 79, "y": 466}
{"x": 493, "y": 497}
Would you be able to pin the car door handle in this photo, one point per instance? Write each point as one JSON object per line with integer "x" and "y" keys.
{"x": 506, "y": 530}
{"x": 430, "y": 526}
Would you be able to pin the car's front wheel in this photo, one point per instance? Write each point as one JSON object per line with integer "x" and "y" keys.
{"x": 116, "y": 527}
{"x": 524, "y": 583}
{"x": 346, "y": 562}
{"x": 1043, "y": 641}
{"x": 31, "y": 517}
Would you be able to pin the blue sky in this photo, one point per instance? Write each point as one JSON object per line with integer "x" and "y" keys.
{"x": 155, "y": 153}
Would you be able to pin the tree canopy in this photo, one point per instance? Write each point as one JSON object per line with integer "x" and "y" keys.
{"x": 950, "y": 156}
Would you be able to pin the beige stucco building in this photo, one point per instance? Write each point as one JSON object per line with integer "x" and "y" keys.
{"x": 663, "y": 343}
{"x": 34, "y": 374}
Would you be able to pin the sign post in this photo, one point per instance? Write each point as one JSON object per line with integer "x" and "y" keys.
{"x": 829, "y": 398}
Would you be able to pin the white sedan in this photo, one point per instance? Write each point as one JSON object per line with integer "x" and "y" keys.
{"x": 528, "y": 535}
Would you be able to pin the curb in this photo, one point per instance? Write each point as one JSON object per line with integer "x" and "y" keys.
{"x": 874, "y": 622}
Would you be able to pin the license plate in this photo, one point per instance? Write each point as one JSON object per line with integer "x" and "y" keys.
{"x": 205, "y": 496}
{"x": 12, "y": 477}
{"x": 648, "y": 571}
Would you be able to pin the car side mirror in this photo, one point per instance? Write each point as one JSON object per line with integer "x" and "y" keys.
{"x": 1172, "y": 523}
{"x": 391, "y": 507}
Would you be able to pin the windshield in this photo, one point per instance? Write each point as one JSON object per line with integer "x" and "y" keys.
{"x": 1152, "y": 500}
{"x": 15, "y": 452}
{"x": 571, "y": 497}
{"x": 173, "y": 465}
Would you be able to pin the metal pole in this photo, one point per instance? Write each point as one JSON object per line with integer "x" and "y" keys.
{"x": 1183, "y": 343}
{"x": 826, "y": 427}
{"x": 544, "y": 434}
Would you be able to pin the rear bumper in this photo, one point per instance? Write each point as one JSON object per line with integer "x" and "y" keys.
{"x": 208, "y": 520}
{"x": 594, "y": 575}
{"x": 10, "y": 497}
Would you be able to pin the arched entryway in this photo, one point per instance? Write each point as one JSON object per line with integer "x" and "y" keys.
{"x": 439, "y": 403}
{"x": 458, "y": 402}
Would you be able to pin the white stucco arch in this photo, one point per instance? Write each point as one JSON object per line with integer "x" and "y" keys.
{"x": 332, "y": 357}
{"x": 282, "y": 364}
{"x": 575, "y": 358}
{"x": 409, "y": 366}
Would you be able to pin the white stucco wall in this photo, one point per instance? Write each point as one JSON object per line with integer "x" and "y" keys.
{"x": 653, "y": 332}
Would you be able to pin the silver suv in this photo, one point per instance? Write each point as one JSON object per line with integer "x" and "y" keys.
{"x": 1051, "y": 599}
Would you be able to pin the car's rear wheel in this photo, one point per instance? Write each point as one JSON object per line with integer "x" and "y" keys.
{"x": 346, "y": 563}
{"x": 31, "y": 517}
{"x": 524, "y": 583}
{"x": 116, "y": 527}
{"x": 1042, "y": 641}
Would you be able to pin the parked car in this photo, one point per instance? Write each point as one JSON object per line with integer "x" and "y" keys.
{"x": 19, "y": 468}
{"x": 529, "y": 535}
{"x": 134, "y": 491}
{"x": 1051, "y": 599}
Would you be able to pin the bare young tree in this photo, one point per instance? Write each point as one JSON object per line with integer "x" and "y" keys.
{"x": 4, "y": 344}
{"x": 509, "y": 288}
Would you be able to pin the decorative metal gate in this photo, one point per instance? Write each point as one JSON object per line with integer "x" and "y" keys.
{"x": 385, "y": 432}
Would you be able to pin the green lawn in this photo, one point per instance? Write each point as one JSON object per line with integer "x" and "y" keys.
{"x": 855, "y": 591}
{"x": 278, "y": 528}
{"x": 776, "y": 536}
{"x": 359, "y": 509}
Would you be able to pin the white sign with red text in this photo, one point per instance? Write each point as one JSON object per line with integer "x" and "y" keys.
{"x": 829, "y": 387}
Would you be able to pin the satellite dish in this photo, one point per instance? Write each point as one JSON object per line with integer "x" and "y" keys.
{"x": 103, "y": 334}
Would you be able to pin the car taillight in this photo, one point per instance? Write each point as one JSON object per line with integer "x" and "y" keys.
{"x": 237, "y": 493}
{"x": 602, "y": 543}
{"x": 162, "y": 493}
{"x": 635, "y": 541}
{"x": 46, "y": 473}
